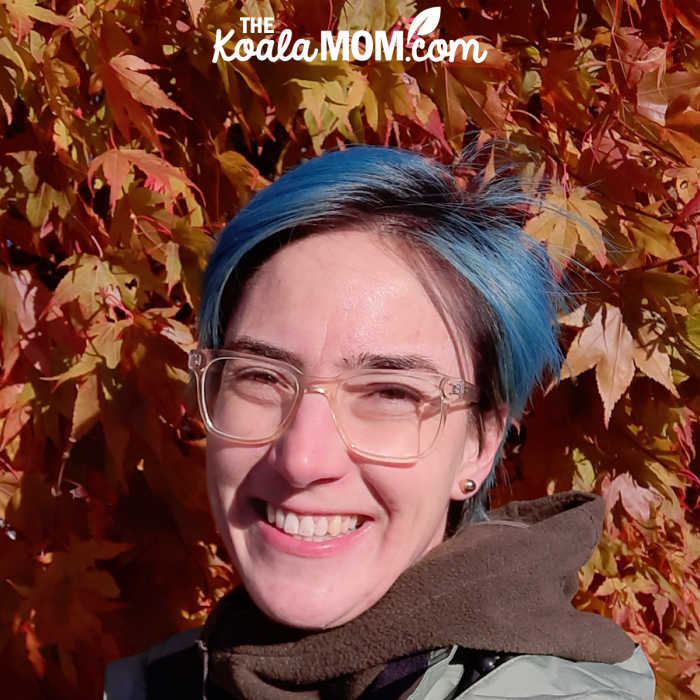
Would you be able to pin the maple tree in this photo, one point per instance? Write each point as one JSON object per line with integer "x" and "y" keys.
{"x": 124, "y": 149}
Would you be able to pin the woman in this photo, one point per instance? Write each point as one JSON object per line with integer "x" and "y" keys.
{"x": 369, "y": 329}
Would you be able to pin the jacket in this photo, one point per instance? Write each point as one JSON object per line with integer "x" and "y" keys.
{"x": 522, "y": 677}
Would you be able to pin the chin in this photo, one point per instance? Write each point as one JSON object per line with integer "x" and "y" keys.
{"x": 308, "y": 610}
{"x": 307, "y": 616}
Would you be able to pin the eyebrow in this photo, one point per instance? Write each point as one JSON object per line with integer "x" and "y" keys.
{"x": 366, "y": 360}
{"x": 379, "y": 361}
{"x": 256, "y": 347}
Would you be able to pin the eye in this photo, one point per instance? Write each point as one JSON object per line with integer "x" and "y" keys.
{"x": 258, "y": 379}
{"x": 256, "y": 374}
{"x": 245, "y": 376}
{"x": 391, "y": 397}
{"x": 378, "y": 400}
{"x": 396, "y": 392}
{"x": 256, "y": 384}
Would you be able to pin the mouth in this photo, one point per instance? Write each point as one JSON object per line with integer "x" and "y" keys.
{"x": 310, "y": 527}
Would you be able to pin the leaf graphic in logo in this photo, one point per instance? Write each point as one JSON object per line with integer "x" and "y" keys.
{"x": 424, "y": 23}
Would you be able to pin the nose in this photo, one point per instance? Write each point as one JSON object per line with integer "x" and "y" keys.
{"x": 311, "y": 450}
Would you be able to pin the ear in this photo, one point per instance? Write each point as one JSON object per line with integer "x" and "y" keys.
{"x": 477, "y": 465}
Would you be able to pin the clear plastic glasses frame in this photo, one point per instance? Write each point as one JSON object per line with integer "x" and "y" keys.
{"x": 436, "y": 395}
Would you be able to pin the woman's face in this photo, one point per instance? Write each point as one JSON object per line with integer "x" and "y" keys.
{"x": 331, "y": 301}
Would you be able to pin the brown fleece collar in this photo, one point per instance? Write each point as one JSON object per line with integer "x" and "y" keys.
{"x": 497, "y": 586}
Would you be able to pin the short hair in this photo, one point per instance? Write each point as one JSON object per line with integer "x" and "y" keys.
{"x": 497, "y": 284}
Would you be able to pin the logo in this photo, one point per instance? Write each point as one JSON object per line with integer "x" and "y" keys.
{"x": 360, "y": 45}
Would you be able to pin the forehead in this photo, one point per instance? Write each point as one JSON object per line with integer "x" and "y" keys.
{"x": 331, "y": 298}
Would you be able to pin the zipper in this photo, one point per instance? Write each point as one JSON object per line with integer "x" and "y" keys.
{"x": 204, "y": 651}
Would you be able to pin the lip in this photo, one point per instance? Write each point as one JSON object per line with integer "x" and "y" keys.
{"x": 288, "y": 544}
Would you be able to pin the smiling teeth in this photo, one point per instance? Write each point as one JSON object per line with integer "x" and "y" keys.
{"x": 310, "y": 527}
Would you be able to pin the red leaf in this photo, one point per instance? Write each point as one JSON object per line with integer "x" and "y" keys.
{"x": 125, "y": 110}
{"x": 685, "y": 11}
{"x": 128, "y": 90}
{"x": 139, "y": 85}
{"x": 160, "y": 175}
{"x": 692, "y": 207}
{"x": 636, "y": 500}
{"x": 23, "y": 13}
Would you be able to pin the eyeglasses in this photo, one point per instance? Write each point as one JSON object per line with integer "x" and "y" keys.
{"x": 387, "y": 414}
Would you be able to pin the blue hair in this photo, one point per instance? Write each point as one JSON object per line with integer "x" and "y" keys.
{"x": 498, "y": 272}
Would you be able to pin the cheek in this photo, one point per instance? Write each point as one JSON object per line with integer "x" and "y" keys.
{"x": 219, "y": 474}
{"x": 459, "y": 438}
{"x": 227, "y": 469}
{"x": 216, "y": 486}
{"x": 415, "y": 501}
{"x": 440, "y": 468}
{"x": 228, "y": 465}
{"x": 413, "y": 494}
{"x": 425, "y": 486}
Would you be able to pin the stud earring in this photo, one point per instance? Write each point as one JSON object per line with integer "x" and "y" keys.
{"x": 467, "y": 485}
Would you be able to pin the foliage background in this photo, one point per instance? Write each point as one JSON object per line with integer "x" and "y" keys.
{"x": 123, "y": 150}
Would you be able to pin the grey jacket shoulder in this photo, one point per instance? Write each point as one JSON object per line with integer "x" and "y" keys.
{"x": 125, "y": 679}
{"x": 538, "y": 677}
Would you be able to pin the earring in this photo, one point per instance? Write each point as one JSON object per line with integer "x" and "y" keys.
{"x": 467, "y": 485}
